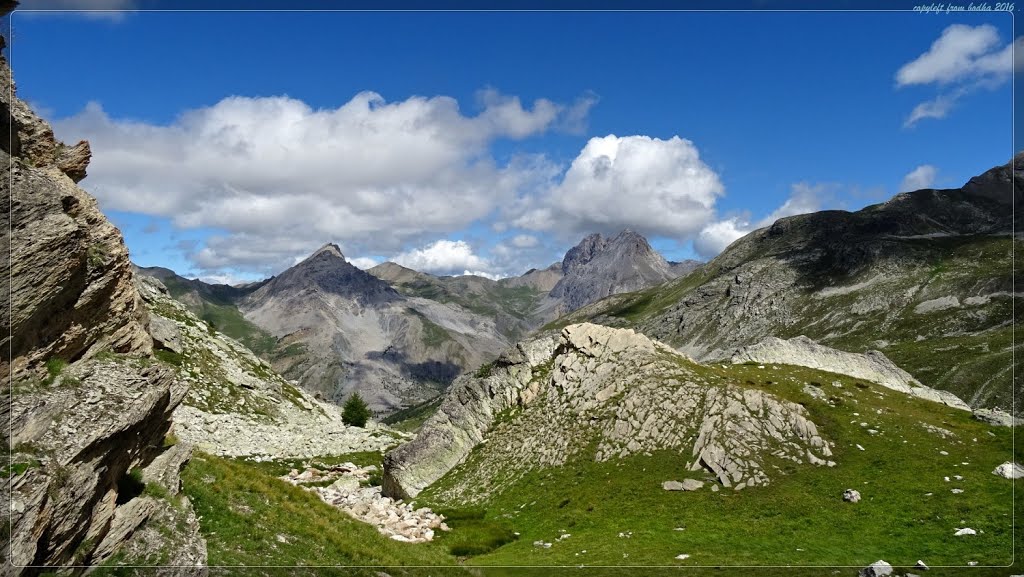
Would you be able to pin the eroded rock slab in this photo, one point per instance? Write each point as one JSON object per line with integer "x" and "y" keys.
{"x": 631, "y": 394}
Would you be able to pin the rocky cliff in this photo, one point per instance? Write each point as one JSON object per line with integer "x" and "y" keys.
{"x": 92, "y": 477}
{"x": 602, "y": 394}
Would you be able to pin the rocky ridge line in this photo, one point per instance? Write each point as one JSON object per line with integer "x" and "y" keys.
{"x": 871, "y": 366}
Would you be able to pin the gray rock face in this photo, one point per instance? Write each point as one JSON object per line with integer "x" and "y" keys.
{"x": 627, "y": 392}
{"x": 80, "y": 425}
{"x": 113, "y": 418}
{"x": 872, "y": 366}
{"x": 598, "y": 267}
{"x": 71, "y": 282}
{"x": 165, "y": 333}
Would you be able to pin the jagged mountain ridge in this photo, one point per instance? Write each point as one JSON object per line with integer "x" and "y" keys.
{"x": 325, "y": 270}
{"x": 926, "y": 277}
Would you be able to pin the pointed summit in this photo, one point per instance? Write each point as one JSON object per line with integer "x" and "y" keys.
{"x": 330, "y": 249}
{"x": 328, "y": 271}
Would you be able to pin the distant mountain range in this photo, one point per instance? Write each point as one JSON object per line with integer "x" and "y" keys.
{"x": 925, "y": 277}
{"x": 398, "y": 336}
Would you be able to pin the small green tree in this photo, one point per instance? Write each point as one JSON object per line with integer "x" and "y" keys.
{"x": 355, "y": 412}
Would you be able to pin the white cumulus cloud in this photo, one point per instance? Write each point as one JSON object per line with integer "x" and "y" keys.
{"x": 657, "y": 187}
{"x": 443, "y": 257}
{"x": 921, "y": 177}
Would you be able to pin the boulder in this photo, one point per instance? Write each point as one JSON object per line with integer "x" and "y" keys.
{"x": 851, "y": 496}
{"x": 997, "y": 417}
{"x": 165, "y": 333}
{"x": 877, "y": 569}
{"x": 1009, "y": 470}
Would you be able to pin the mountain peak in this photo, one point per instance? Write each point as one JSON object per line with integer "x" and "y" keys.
{"x": 598, "y": 267}
{"x": 328, "y": 271}
{"x": 330, "y": 249}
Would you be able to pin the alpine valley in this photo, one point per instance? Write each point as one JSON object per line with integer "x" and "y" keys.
{"x": 833, "y": 394}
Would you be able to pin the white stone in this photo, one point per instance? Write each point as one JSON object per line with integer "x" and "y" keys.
{"x": 1009, "y": 470}
{"x": 877, "y": 569}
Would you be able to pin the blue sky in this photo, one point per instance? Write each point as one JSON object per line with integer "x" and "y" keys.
{"x": 228, "y": 145}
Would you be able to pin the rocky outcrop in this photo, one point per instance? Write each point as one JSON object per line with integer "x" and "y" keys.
{"x": 610, "y": 391}
{"x": 598, "y": 267}
{"x": 463, "y": 418}
{"x": 71, "y": 280}
{"x": 998, "y": 418}
{"x": 88, "y": 407}
{"x": 871, "y": 366}
{"x": 79, "y": 441}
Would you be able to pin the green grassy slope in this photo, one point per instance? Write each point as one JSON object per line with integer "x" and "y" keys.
{"x": 251, "y": 518}
{"x": 800, "y": 518}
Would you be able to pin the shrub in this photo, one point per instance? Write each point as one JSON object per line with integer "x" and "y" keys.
{"x": 54, "y": 367}
{"x": 355, "y": 412}
{"x": 484, "y": 371}
{"x": 169, "y": 357}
